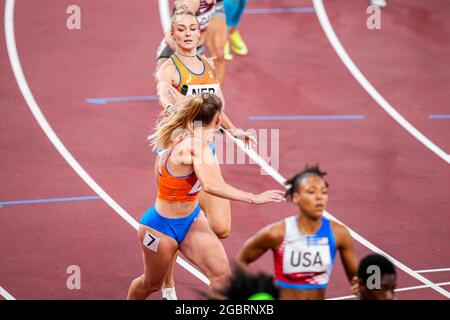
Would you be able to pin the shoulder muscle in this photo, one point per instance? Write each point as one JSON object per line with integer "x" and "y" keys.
{"x": 341, "y": 234}
{"x": 272, "y": 235}
{"x": 168, "y": 72}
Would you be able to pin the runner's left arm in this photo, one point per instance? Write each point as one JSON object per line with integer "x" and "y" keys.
{"x": 344, "y": 243}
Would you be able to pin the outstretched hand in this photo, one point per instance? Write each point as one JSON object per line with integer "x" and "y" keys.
{"x": 175, "y": 96}
{"x": 269, "y": 196}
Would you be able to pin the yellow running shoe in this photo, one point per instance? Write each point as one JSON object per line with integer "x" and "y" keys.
{"x": 238, "y": 44}
{"x": 227, "y": 52}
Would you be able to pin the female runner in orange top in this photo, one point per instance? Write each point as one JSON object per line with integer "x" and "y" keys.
{"x": 176, "y": 221}
{"x": 186, "y": 67}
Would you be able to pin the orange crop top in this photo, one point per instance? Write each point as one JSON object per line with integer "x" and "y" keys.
{"x": 172, "y": 188}
{"x": 198, "y": 83}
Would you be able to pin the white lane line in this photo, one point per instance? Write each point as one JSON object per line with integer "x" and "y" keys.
{"x": 280, "y": 179}
{"x": 433, "y": 270}
{"x": 397, "y": 290}
{"x": 164, "y": 15}
{"x": 53, "y": 137}
{"x": 192, "y": 270}
{"x": 5, "y": 294}
{"x": 331, "y": 35}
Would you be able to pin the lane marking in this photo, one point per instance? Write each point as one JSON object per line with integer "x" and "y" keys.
{"x": 5, "y": 294}
{"x": 280, "y": 179}
{"x": 397, "y": 290}
{"x": 11, "y": 203}
{"x": 279, "y": 10}
{"x": 439, "y": 116}
{"x": 306, "y": 117}
{"x": 164, "y": 15}
{"x": 52, "y": 136}
{"x": 362, "y": 80}
{"x": 433, "y": 270}
{"x": 121, "y": 99}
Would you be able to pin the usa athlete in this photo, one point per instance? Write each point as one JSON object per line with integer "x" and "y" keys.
{"x": 176, "y": 221}
{"x": 304, "y": 245}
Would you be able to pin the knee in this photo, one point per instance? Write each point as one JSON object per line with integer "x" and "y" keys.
{"x": 222, "y": 232}
{"x": 221, "y": 228}
{"x": 219, "y": 57}
{"x": 217, "y": 47}
{"x": 150, "y": 287}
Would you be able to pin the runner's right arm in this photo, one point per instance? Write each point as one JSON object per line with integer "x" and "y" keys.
{"x": 269, "y": 237}
{"x": 207, "y": 170}
{"x": 166, "y": 77}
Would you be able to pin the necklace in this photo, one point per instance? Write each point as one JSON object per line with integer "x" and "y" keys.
{"x": 185, "y": 55}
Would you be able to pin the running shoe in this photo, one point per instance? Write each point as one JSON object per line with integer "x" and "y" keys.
{"x": 238, "y": 44}
{"x": 169, "y": 294}
{"x": 227, "y": 52}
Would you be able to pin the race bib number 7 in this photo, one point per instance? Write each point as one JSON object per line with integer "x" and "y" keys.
{"x": 151, "y": 241}
{"x": 298, "y": 257}
{"x": 196, "y": 90}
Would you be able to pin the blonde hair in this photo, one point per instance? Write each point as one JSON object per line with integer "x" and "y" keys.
{"x": 181, "y": 10}
{"x": 202, "y": 108}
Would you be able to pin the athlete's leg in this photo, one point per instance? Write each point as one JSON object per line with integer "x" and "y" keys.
{"x": 216, "y": 36}
{"x": 204, "y": 249}
{"x": 218, "y": 213}
{"x": 157, "y": 259}
{"x": 234, "y": 10}
{"x": 169, "y": 281}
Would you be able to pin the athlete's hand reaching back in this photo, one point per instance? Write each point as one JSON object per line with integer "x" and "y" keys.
{"x": 269, "y": 196}
{"x": 175, "y": 97}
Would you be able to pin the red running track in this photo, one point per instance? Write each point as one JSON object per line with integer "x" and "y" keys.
{"x": 385, "y": 185}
